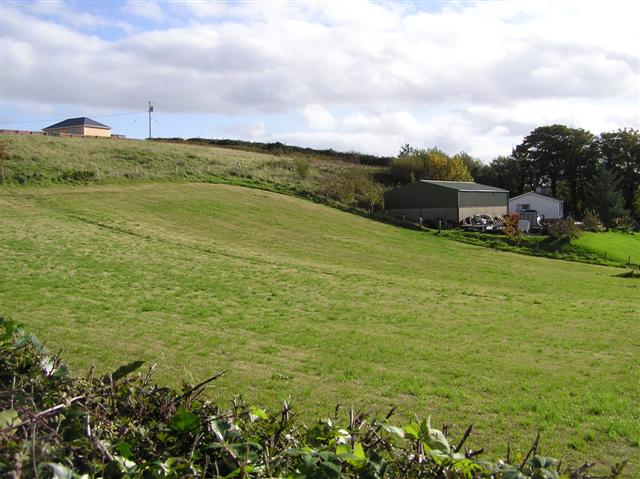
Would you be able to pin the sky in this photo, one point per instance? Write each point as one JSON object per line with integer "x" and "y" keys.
{"x": 352, "y": 75}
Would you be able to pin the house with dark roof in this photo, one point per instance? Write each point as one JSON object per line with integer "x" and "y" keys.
{"x": 79, "y": 126}
{"x": 445, "y": 200}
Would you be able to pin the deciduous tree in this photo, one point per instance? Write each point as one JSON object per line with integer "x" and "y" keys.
{"x": 431, "y": 164}
{"x": 555, "y": 153}
{"x": 620, "y": 151}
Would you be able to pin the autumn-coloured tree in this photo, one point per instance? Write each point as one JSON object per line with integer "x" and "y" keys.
{"x": 510, "y": 228}
{"x": 430, "y": 164}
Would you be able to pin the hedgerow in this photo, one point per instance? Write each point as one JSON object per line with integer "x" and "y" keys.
{"x": 122, "y": 425}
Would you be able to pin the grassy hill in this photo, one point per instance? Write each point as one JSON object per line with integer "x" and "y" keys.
{"x": 299, "y": 299}
{"x": 48, "y": 160}
{"x": 618, "y": 246}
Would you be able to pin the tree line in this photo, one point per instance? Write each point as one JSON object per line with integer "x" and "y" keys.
{"x": 589, "y": 172}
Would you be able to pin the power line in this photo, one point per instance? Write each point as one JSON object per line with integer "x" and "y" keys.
{"x": 60, "y": 119}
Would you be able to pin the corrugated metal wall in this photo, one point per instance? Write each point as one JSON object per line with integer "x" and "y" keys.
{"x": 482, "y": 198}
{"x": 421, "y": 195}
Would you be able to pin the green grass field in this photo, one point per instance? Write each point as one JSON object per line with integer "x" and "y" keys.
{"x": 298, "y": 299}
{"x": 623, "y": 247}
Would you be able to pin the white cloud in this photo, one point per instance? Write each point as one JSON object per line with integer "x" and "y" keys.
{"x": 317, "y": 117}
{"x": 472, "y": 76}
{"x": 258, "y": 131}
{"x": 145, "y": 9}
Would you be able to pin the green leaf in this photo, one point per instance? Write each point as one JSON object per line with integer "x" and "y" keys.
{"x": 413, "y": 430}
{"x": 543, "y": 462}
{"x": 256, "y": 413}
{"x": 61, "y": 372}
{"x": 393, "y": 430}
{"x": 125, "y": 370}
{"x": 183, "y": 421}
{"x": 8, "y": 418}
{"x": 332, "y": 469}
{"x": 342, "y": 450}
{"x": 436, "y": 439}
{"x": 358, "y": 452}
{"x": 60, "y": 471}
{"x": 124, "y": 448}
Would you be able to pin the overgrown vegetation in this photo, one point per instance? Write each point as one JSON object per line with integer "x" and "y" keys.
{"x": 415, "y": 164}
{"x": 324, "y": 176}
{"x": 591, "y": 221}
{"x": 564, "y": 229}
{"x": 123, "y": 425}
{"x": 281, "y": 149}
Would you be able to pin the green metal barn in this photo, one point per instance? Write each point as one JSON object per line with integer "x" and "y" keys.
{"x": 446, "y": 200}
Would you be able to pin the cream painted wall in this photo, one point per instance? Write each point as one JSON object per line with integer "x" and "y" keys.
{"x": 89, "y": 131}
{"x": 83, "y": 130}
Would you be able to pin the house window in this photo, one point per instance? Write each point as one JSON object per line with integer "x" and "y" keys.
{"x": 524, "y": 207}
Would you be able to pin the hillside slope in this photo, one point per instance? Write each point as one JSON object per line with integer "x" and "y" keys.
{"x": 46, "y": 160}
{"x": 298, "y": 299}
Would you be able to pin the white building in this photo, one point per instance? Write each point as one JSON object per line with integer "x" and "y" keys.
{"x": 546, "y": 206}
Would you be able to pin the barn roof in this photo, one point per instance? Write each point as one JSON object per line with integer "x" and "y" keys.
{"x": 465, "y": 186}
{"x": 528, "y": 193}
{"x": 81, "y": 121}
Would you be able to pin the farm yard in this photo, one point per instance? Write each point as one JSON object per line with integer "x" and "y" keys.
{"x": 298, "y": 299}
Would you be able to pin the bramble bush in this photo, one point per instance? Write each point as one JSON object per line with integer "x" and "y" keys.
{"x": 122, "y": 425}
{"x": 354, "y": 188}
{"x": 591, "y": 221}
{"x": 564, "y": 229}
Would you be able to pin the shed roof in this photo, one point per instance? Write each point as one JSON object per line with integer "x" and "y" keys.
{"x": 81, "y": 121}
{"x": 536, "y": 194}
{"x": 465, "y": 186}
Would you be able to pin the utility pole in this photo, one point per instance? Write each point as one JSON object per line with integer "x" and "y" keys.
{"x": 150, "y": 110}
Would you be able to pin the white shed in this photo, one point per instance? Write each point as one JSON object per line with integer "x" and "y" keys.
{"x": 546, "y": 206}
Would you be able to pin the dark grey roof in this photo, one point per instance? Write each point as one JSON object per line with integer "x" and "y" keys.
{"x": 82, "y": 121}
{"x": 464, "y": 186}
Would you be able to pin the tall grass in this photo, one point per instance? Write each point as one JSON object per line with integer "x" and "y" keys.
{"x": 48, "y": 160}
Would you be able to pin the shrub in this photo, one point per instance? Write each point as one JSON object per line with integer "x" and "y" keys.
{"x": 510, "y": 228}
{"x": 123, "y": 425}
{"x": 625, "y": 223}
{"x": 301, "y": 166}
{"x": 591, "y": 221}
{"x": 354, "y": 187}
{"x": 564, "y": 229}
